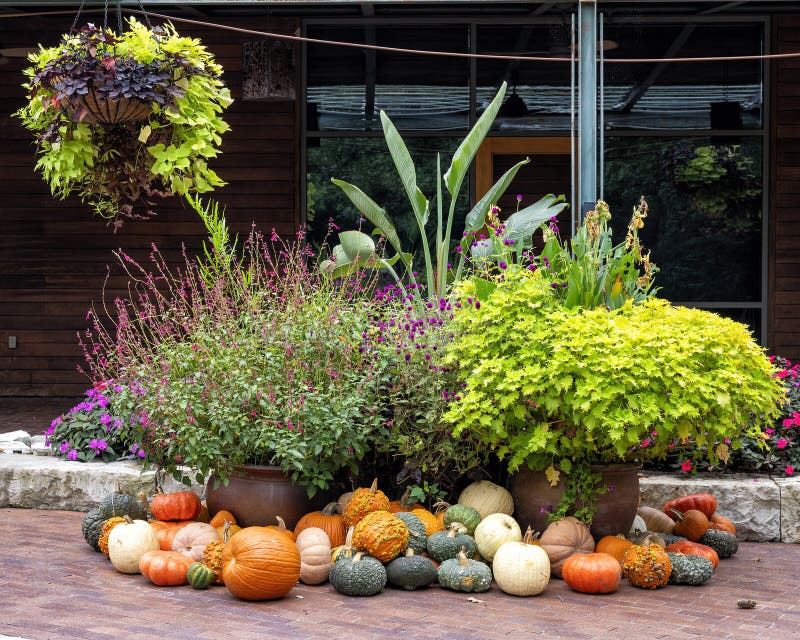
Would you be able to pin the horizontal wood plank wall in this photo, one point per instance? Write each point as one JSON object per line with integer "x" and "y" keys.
{"x": 54, "y": 256}
{"x": 784, "y": 330}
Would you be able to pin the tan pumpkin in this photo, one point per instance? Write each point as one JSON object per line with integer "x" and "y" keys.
{"x": 315, "y": 555}
{"x": 192, "y": 539}
{"x": 486, "y": 498}
{"x": 343, "y": 501}
{"x": 656, "y": 520}
{"x": 381, "y": 534}
{"x": 165, "y": 568}
{"x": 128, "y": 542}
{"x": 328, "y": 520}
{"x": 364, "y": 501}
{"x": 181, "y": 505}
{"x": 166, "y": 531}
{"x": 260, "y": 563}
{"x": 563, "y": 538}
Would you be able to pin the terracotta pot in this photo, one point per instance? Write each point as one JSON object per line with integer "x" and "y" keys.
{"x": 256, "y": 494}
{"x": 616, "y": 508}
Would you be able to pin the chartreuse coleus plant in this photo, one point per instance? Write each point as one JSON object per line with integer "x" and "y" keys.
{"x": 119, "y": 168}
{"x": 558, "y": 388}
{"x": 357, "y": 250}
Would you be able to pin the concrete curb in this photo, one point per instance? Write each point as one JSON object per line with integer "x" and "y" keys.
{"x": 765, "y": 509}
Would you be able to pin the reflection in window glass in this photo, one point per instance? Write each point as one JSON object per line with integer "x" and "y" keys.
{"x": 705, "y": 201}
{"x": 347, "y": 87}
{"x": 366, "y": 163}
{"x": 538, "y": 96}
{"x": 691, "y": 95}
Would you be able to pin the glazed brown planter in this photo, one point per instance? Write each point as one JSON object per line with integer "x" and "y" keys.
{"x": 255, "y": 495}
{"x": 534, "y": 498}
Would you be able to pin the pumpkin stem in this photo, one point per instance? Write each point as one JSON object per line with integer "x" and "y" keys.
{"x": 374, "y": 486}
{"x": 348, "y": 539}
{"x": 357, "y": 557}
{"x": 225, "y": 529}
{"x": 409, "y": 552}
{"x": 440, "y": 506}
{"x": 330, "y": 508}
{"x": 405, "y": 497}
{"x": 530, "y": 535}
{"x": 281, "y": 523}
{"x": 677, "y": 514}
{"x": 462, "y": 558}
{"x": 453, "y": 530}
{"x": 145, "y": 503}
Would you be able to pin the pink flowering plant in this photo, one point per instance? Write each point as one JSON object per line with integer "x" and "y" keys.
{"x": 245, "y": 357}
{"x": 97, "y": 427}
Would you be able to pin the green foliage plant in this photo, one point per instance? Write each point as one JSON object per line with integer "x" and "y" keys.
{"x": 120, "y": 167}
{"x": 249, "y": 358}
{"x": 437, "y": 273}
{"x": 559, "y": 388}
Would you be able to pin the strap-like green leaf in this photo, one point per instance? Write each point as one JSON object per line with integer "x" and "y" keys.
{"x": 523, "y": 223}
{"x": 371, "y": 211}
{"x": 466, "y": 151}
{"x": 476, "y": 217}
{"x": 405, "y": 168}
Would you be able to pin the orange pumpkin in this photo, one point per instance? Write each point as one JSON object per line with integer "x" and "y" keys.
{"x": 165, "y": 531}
{"x": 364, "y": 501}
{"x": 260, "y": 563}
{"x": 721, "y": 523}
{"x": 181, "y": 505}
{"x": 704, "y": 502}
{"x": 403, "y": 504}
{"x": 689, "y": 548}
{"x": 564, "y": 538}
{"x": 203, "y": 516}
{"x": 381, "y": 534}
{"x": 212, "y": 554}
{"x": 281, "y": 528}
{"x": 691, "y": 524}
{"x": 105, "y": 532}
{"x": 615, "y": 546}
{"x": 646, "y": 566}
{"x": 592, "y": 572}
{"x": 431, "y": 522}
{"x": 328, "y": 520}
{"x": 221, "y": 517}
{"x": 165, "y": 568}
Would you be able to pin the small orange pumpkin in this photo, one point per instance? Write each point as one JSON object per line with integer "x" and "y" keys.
{"x": 691, "y": 524}
{"x": 166, "y": 530}
{"x": 615, "y": 546}
{"x": 689, "y": 548}
{"x": 165, "y": 568}
{"x": 431, "y": 522}
{"x": 721, "y": 523}
{"x": 328, "y": 520}
{"x": 364, "y": 501}
{"x": 281, "y": 528}
{"x": 646, "y": 566}
{"x": 181, "y": 505}
{"x": 592, "y": 572}
{"x": 403, "y": 504}
{"x": 438, "y": 510}
{"x": 221, "y": 517}
{"x": 260, "y": 563}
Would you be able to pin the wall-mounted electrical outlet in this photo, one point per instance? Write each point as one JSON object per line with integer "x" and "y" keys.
{"x": 12, "y": 342}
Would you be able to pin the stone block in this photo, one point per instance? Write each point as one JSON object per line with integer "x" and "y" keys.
{"x": 16, "y": 436}
{"x": 46, "y": 482}
{"x": 752, "y": 502}
{"x": 790, "y": 508}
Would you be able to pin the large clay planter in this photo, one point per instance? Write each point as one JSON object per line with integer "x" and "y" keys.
{"x": 534, "y": 498}
{"x": 256, "y": 494}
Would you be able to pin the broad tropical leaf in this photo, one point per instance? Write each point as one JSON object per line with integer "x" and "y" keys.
{"x": 476, "y": 217}
{"x": 405, "y": 168}
{"x": 523, "y": 223}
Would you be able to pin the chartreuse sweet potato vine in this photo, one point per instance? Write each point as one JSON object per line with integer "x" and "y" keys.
{"x": 546, "y": 385}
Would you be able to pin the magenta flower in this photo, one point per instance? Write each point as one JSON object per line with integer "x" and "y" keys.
{"x": 789, "y": 470}
{"x": 64, "y": 447}
{"x": 72, "y": 455}
{"x": 686, "y": 465}
{"x": 782, "y": 443}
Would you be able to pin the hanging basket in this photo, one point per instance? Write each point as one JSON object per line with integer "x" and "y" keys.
{"x": 95, "y": 108}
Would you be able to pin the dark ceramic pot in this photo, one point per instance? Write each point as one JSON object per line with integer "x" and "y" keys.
{"x": 616, "y": 508}
{"x": 255, "y": 495}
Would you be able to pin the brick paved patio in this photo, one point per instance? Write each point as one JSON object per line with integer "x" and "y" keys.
{"x": 52, "y": 585}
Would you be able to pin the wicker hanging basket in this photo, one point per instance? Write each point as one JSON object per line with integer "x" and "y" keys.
{"x": 95, "y": 108}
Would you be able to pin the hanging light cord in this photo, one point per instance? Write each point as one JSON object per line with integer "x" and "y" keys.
{"x": 424, "y": 52}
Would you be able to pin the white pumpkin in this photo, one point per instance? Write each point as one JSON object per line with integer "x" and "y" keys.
{"x": 487, "y": 497}
{"x": 521, "y": 568}
{"x": 639, "y": 525}
{"x": 494, "y": 530}
{"x": 192, "y": 539}
{"x": 315, "y": 555}
{"x": 128, "y": 542}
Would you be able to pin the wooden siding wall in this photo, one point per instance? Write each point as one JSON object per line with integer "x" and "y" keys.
{"x": 784, "y": 257}
{"x": 54, "y": 254}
